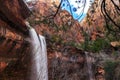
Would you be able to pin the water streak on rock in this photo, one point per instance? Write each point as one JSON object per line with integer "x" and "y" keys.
{"x": 38, "y": 69}
{"x": 89, "y": 61}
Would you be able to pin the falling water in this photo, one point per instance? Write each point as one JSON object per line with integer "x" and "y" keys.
{"x": 38, "y": 67}
{"x": 89, "y": 61}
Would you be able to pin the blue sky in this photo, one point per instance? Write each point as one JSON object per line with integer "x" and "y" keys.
{"x": 77, "y": 8}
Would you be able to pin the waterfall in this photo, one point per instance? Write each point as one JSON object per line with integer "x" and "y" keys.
{"x": 38, "y": 65}
{"x": 89, "y": 61}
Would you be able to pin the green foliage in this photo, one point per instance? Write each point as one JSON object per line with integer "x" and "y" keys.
{"x": 95, "y": 46}
{"x": 56, "y": 39}
{"x": 109, "y": 68}
{"x": 113, "y": 36}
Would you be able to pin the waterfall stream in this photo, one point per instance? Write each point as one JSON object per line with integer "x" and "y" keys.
{"x": 89, "y": 61}
{"x": 38, "y": 69}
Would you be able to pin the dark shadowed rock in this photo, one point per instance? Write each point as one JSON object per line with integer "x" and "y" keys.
{"x": 14, "y": 13}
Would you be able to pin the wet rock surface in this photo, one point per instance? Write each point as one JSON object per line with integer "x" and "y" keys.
{"x": 67, "y": 66}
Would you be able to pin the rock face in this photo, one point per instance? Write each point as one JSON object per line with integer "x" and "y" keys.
{"x": 107, "y": 65}
{"x": 14, "y": 13}
{"x": 14, "y": 56}
{"x": 13, "y": 49}
{"x": 70, "y": 64}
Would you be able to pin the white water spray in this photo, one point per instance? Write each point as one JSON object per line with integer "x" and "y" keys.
{"x": 38, "y": 67}
{"x": 89, "y": 61}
